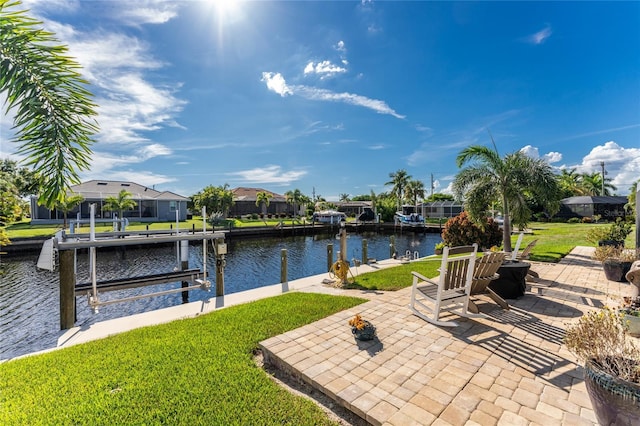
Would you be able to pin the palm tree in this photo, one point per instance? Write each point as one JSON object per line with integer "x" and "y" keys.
{"x": 263, "y": 199}
{"x": 631, "y": 205}
{"x": 344, "y": 197}
{"x": 120, "y": 203}
{"x": 47, "y": 97}
{"x": 508, "y": 180}
{"x": 414, "y": 190}
{"x": 593, "y": 184}
{"x": 67, "y": 204}
{"x": 570, "y": 183}
{"x": 293, "y": 198}
{"x": 398, "y": 180}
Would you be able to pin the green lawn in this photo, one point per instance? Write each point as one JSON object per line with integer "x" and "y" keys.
{"x": 25, "y": 229}
{"x": 188, "y": 372}
{"x": 556, "y": 240}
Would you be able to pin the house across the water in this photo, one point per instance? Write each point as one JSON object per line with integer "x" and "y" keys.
{"x": 151, "y": 205}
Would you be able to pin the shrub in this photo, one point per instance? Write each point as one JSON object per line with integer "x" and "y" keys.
{"x": 462, "y": 231}
{"x": 617, "y": 231}
{"x": 254, "y": 216}
{"x": 587, "y": 219}
{"x": 574, "y": 220}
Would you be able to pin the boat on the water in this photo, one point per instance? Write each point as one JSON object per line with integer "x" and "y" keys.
{"x": 329, "y": 216}
{"x": 412, "y": 219}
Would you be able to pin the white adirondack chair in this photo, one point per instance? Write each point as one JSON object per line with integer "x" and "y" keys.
{"x": 452, "y": 289}
{"x": 516, "y": 249}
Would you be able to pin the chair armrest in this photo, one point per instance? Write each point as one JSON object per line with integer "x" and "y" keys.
{"x": 423, "y": 278}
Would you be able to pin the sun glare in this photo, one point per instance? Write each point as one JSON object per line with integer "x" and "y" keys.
{"x": 226, "y": 10}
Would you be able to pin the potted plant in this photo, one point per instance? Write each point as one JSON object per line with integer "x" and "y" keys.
{"x": 362, "y": 329}
{"x": 438, "y": 248}
{"x": 613, "y": 235}
{"x": 611, "y": 366}
{"x": 616, "y": 261}
{"x": 630, "y": 311}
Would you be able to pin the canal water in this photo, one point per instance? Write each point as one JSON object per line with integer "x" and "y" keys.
{"x": 29, "y": 298}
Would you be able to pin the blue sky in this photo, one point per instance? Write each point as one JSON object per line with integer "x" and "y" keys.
{"x": 331, "y": 97}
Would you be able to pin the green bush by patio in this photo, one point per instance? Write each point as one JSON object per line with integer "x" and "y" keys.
{"x": 189, "y": 372}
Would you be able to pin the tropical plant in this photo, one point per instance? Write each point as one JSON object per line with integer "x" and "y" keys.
{"x": 47, "y": 97}
{"x": 119, "y": 203}
{"x": 593, "y": 184}
{"x": 295, "y": 197}
{"x": 399, "y": 181}
{"x": 263, "y": 199}
{"x": 631, "y": 204}
{"x": 570, "y": 183}
{"x": 414, "y": 191}
{"x": 68, "y": 203}
{"x": 508, "y": 180}
{"x": 617, "y": 231}
{"x": 217, "y": 200}
{"x": 461, "y": 231}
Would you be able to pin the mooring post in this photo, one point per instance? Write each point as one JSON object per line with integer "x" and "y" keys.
{"x": 365, "y": 255}
{"x": 329, "y": 256}
{"x": 184, "y": 256}
{"x": 392, "y": 246}
{"x": 219, "y": 269}
{"x": 283, "y": 266}
{"x": 67, "y": 290}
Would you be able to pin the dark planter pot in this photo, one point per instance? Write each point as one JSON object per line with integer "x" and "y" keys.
{"x": 367, "y": 333}
{"x": 614, "y": 243}
{"x": 615, "y": 270}
{"x": 615, "y": 401}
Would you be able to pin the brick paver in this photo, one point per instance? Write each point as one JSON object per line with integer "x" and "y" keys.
{"x": 509, "y": 368}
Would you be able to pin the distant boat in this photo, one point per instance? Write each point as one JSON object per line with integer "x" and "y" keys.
{"x": 413, "y": 219}
{"x": 329, "y": 216}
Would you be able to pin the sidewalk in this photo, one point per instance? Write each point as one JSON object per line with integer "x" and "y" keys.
{"x": 510, "y": 368}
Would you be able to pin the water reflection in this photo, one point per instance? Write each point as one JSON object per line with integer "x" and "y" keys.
{"x": 29, "y": 298}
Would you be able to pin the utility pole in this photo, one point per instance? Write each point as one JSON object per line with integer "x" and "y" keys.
{"x": 432, "y": 185}
{"x": 603, "y": 173}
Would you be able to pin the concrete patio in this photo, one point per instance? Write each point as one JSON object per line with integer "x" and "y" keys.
{"x": 509, "y": 368}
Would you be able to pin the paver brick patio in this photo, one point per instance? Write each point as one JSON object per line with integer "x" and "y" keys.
{"x": 509, "y": 368}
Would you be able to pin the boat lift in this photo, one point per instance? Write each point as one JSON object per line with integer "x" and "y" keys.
{"x": 67, "y": 246}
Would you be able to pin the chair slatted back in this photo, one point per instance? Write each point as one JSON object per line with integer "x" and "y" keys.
{"x": 486, "y": 270}
{"x": 455, "y": 270}
{"x": 527, "y": 250}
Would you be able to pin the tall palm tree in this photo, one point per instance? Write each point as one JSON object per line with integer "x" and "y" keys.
{"x": 344, "y": 197}
{"x": 119, "y": 203}
{"x": 47, "y": 97}
{"x": 67, "y": 204}
{"x": 263, "y": 199}
{"x": 414, "y": 191}
{"x": 570, "y": 183}
{"x": 631, "y": 205}
{"x": 398, "y": 181}
{"x": 293, "y": 198}
{"x": 509, "y": 180}
{"x": 594, "y": 185}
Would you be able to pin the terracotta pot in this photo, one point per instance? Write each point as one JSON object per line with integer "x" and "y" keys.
{"x": 615, "y": 401}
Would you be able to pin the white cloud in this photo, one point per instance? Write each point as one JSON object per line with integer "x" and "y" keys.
{"x": 540, "y": 36}
{"x": 276, "y": 83}
{"x": 622, "y": 165}
{"x": 324, "y": 69}
{"x": 148, "y": 12}
{"x": 550, "y": 157}
{"x": 270, "y": 174}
